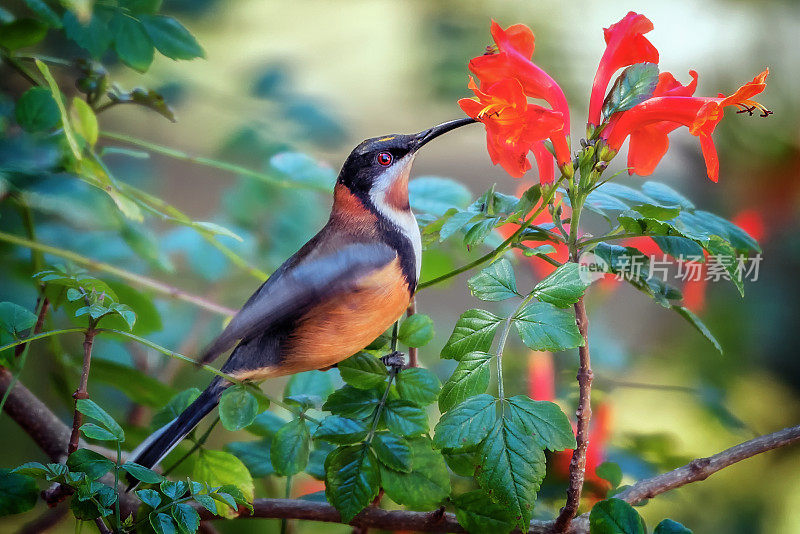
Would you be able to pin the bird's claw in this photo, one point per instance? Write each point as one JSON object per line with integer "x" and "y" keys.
{"x": 395, "y": 359}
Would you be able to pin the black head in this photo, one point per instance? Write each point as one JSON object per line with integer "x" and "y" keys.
{"x": 388, "y": 157}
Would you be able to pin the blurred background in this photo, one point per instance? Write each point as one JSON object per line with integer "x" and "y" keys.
{"x": 318, "y": 77}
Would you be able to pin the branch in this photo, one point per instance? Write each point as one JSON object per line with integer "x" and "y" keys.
{"x": 82, "y": 391}
{"x": 116, "y": 271}
{"x": 577, "y": 466}
{"x": 413, "y": 352}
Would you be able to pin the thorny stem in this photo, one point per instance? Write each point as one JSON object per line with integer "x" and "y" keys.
{"x": 116, "y": 271}
{"x": 82, "y": 391}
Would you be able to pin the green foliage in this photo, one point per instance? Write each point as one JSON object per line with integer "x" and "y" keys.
{"x": 416, "y": 331}
{"x": 352, "y": 479}
{"x": 496, "y": 282}
{"x": 474, "y": 331}
{"x": 542, "y": 326}
{"x": 18, "y": 493}
{"x": 614, "y": 516}
{"x": 36, "y": 111}
{"x": 237, "y": 408}
{"x": 290, "y": 448}
{"x": 668, "y": 526}
{"x": 635, "y": 85}
{"x": 426, "y": 485}
{"x": 476, "y": 512}
{"x": 470, "y": 377}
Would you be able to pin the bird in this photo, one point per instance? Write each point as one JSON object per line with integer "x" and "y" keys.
{"x": 335, "y": 295}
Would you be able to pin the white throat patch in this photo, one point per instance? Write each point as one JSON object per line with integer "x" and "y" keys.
{"x": 404, "y": 220}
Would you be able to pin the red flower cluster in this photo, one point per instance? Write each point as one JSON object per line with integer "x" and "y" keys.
{"x": 515, "y": 126}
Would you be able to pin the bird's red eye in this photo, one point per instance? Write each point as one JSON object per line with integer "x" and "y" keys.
{"x": 385, "y": 159}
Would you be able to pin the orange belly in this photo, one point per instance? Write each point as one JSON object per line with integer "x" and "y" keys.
{"x": 335, "y": 330}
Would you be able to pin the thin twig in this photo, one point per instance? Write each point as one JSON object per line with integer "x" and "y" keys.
{"x": 82, "y": 391}
{"x": 413, "y": 352}
{"x": 137, "y": 279}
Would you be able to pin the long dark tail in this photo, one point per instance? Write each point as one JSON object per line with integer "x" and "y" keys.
{"x": 153, "y": 449}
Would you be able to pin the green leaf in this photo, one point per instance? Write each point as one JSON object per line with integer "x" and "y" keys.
{"x": 218, "y": 468}
{"x": 237, "y": 407}
{"x": 186, "y": 517}
{"x": 315, "y": 383}
{"x": 542, "y": 326}
{"x": 340, "y": 430}
{"x": 90, "y": 409}
{"x": 563, "y": 287}
{"x": 94, "y": 36}
{"x": 416, "y": 331}
{"x": 254, "y": 454}
{"x": 461, "y": 463}
{"x": 544, "y": 420}
{"x": 352, "y": 479}
{"x": 495, "y": 282}
{"x": 171, "y": 38}
{"x": 15, "y": 319}
{"x": 162, "y": 523}
{"x": 511, "y": 469}
{"x": 470, "y": 377}
{"x": 266, "y": 424}
{"x": 21, "y": 33}
{"x": 479, "y": 231}
{"x": 36, "y": 111}
{"x": 699, "y": 325}
{"x": 18, "y": 493}
{"x": 668, "y": 526}
{"x": 476, "y": 512}
{"x": 316, "y": 460}
{"x": 352, "y": 402}
{"x": 635, "y": 85}
{"x": 363, "y": 371}
{"x": 393, "y": 451}
{"x": 150, "y": 497}
{"x": 87, "y": 461}
{"x": 474, "y": 331}
{"x": 290, "y": 448}
{"x": 467, "y": 424}
{"x": 142, "y": 6}
{"x": 615, "y": 516}
{"x": 142, "y": 473}
{"x": 418, "y": 385}
{"x": 611, "y": 472}
{"x": 131, "y": 42}
{"x": 428, "y": 483}
{"x": 527, "y": 201}
{"x": 456, "y": 222}
{"x": 84, "y": 121}
{"x": 62, "y": 110}
{"x": 404, "y": 417}
{"x": 434, "y": 195}
{"x": 666, "y": 196}
{"x": 174, "y": 407}
{"x": 174, "y": 489}
{"x": 31, "y": 469}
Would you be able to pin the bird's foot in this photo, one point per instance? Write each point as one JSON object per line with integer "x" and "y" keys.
{"x": 395, "y": 359}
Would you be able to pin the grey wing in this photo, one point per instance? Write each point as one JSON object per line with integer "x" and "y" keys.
{"x": 291, "y": 291}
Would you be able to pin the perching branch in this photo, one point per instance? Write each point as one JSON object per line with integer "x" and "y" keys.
{"x": 82, "y": 391}
{"x": 116, "y": 271}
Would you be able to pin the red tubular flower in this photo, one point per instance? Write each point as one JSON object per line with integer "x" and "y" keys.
{"x": 513, "y": 126}
{"x": 625, "y": 45}
{"x": 510, "y": 59}
{"x": 700, "y": 114}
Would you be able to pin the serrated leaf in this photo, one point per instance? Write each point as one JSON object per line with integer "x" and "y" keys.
{"x": 456, "y": 222}
{"x": 635, "y": 85}
{"x": 563, "y": 287}
{"x": 217, "y": 468}
{"x": 186, "y": 517}
{"x": 352, "y": 402}
{"x": 340, "y": 430}
{"x": 131, "y": 41}
{"x": 418, "y": 385}
{"x": 162, "y": 523}
{"x": 150, "y": 497}
{"x": 494, "y": 283}
{"x": 404, "y": 417}
{"x": 544, "y": 420}
{"x": 467, "y": 424}
{"x": 363, "y": 371}
{"x": 474, "y": 331}
{"x": 416, "y": 330}
{"x": 290, "y": 448}
{"x": 615, "y": 516}
{"x": 392, "y": 451}
{"x": 352, "y": 479}
{"x": 511, "y": 469}
{"x": 542, "y": 326}
{"x": 90, "y": 409}
{"x": 92, "y": 35}
{"x": 479, "y": 231}
{"x": 478, "y": 513}
{"x": 237, "y": 408}
{"x": 470, "y": 377}
{"x": 94, "y": 464}
{"x": 428, "y": 483}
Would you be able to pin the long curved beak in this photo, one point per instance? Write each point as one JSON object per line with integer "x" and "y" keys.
{"x": 428, "y": 135}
